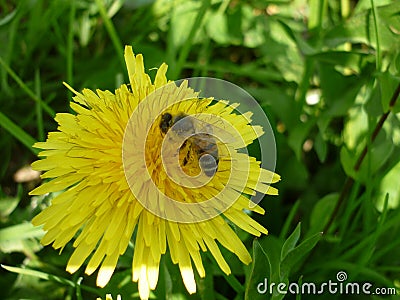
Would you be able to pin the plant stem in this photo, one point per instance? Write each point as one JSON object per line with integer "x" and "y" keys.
{"x": 350, "y": 181}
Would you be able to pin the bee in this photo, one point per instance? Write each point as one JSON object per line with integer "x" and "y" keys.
{"x": 199, "y": 144}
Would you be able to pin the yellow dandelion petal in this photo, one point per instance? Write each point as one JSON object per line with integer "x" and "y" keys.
{"x": 230, "y": 241}
{"x": 195, "y": 255}
{"x": 109, "y": 297}
{"x": 245, "y": 222}
{"x": 185, "y": 267}
{"x": 152, "y": 271}
{"x": 123, "y": 168}
{"x": 79, "y": 256}
{"x": 107, "y": 269}
{"x": 213, "y": 247}
{"x": 173, "y": 226}
{"x": 143, "y": 284}
{"x": 161, "y": 78}
{"x": 50, "y": 236}
{"x": 161, "y": 237}
{"x": 58, "y": 184}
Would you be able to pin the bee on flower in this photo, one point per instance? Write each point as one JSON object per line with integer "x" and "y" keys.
{"x": 157, "y": 159}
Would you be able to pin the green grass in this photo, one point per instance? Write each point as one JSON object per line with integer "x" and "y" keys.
{"x": 338, "y": 158}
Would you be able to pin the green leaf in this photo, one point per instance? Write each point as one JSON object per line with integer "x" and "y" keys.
{"x": 349, "y": 60}
{"x": 360, "y": 29}
{"x": 291, "y": 242}
{"x": 182, "y": 19}
{"x": 20, "y": 232}
{"x": 355, "y": 129}
{"x": 20, "y": 238}
{"x": 338, "y": 93}
{"x": 266, "y": 253}
{"x": 277, "y": 101}
{"x": 347, "y": 160}
{"x": 298, "y": 253}
{"x": 322, "y": 211}
{"x": 283, "y": 52}
{"x": 321, "y": 147}
{"x": 389, "y": 185}
{"x": 394, "y": 67}
{"x": 298, "y": 135}
{"x": 7, "y": 206}
{"x": 217, "y": 27}
{"x": 378, "y": 154}
{"x": 236, "y": 18}
{"x": 373, "y": 106}
{"x": 388, "y": 84}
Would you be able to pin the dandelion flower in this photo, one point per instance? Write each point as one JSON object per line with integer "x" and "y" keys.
{"x": 112, "y": 162}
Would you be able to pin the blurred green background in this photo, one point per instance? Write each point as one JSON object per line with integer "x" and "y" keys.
{"x": 326, "y": 72}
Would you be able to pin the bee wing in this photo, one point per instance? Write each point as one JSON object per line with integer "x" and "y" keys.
{"x": 220, "y": 130}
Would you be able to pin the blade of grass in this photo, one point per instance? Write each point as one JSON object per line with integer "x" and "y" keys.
{"x": 12, "y": 34}
{"x": 189, "y": 42}
{"x": 26, "y": 89}
{"x": 78, "y": 288}
{"x": 234, "y": 283}
{"x": 377, "y": 35}
{"x": 231, "y": 279}
{"x": 348, "y": 222}
{"x": 170, "y": 52}
{"x": 317, "y": 10}
{"x": 251, "y": 70}
{"x": 289, "y": 220}
{"x": 17, "y": 132}
{"x": 384, "y": 251}
{"x": 50, "y": 277}
{"x": 366, "y": 243}
{"x": 316, "y": 19}
{"x": 70, "y": 49}
{"x": 39, "y": 114}
{"x": 112, "y": 32}
{"x": 202, "y": 60}
{"x": 367, "y": 206}
{"x": 345, "y": 8}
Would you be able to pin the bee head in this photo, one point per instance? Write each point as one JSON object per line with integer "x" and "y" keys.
{"x": 166, "y": 122}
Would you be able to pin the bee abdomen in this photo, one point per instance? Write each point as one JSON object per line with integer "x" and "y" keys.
{"x": 209, "y": 164}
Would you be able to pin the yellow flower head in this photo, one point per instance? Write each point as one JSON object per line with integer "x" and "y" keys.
{"x": 154, "y": 157}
